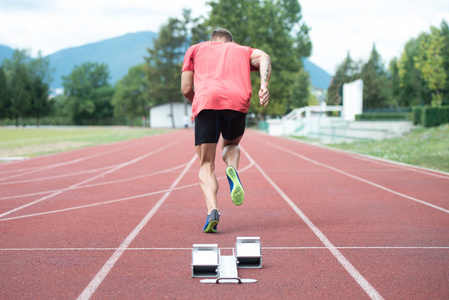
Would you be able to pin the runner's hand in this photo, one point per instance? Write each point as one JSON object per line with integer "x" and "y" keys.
{"x": 263, "y": 96}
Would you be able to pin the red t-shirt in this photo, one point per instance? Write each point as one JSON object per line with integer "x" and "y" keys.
{"x": 221, "y": 76}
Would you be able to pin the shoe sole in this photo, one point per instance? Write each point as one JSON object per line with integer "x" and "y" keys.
{"x": 237, "y": 193}
{"x": 210, "y": 227}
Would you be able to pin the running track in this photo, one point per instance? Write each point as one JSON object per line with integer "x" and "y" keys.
{"x": 119, "y": 221}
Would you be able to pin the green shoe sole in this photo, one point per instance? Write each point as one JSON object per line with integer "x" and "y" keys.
{"x": 237, "y": 191}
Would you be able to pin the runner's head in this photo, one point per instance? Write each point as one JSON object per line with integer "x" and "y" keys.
{"x": 222, "y": 34}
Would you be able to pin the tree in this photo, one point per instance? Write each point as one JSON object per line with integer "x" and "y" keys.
{"x": 445, "y": 56}
{"x": 300, "y": 91}
{"x": 275, "y": 27}
{"x": 18, "y": 77}
{"x": 5, "y": 102}
{"x": 164, "y": 63}
{"x": 27, "y": 81}
{"x": 20, "y": 94}
{"x": 376, "y": 86}
{"x": 129, "y": 99}
{"x": 395, "y": 81}
{"x": 348, "y": 71}
{"x": 413, "y": 88}
{"x": 430, "y": 63}
{"x": 39, "y": 101}
{"x": 89, "y": 93}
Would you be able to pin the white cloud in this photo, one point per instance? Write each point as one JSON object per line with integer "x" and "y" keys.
{"x": 337, "y": 26}
{"x": 352, "y": 25}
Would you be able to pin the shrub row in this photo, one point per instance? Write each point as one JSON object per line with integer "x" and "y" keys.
{"x": 430, "y": 116}
{"x": 384, "y": 116}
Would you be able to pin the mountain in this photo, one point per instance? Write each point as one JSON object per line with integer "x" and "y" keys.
{"x": 118, "y": 53}
{"x": 318, "y": 77}
{"x": 5, "y": 52}
{"x": 122, "y": 52}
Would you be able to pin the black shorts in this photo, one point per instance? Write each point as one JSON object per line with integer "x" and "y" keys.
{"x": 210, "y": 123}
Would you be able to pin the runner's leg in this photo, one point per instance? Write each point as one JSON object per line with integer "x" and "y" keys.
{"x": 231, "y": 152}
{"x": 206, "y": 175}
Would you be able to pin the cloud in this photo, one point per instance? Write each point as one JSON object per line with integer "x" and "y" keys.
{"x": 339, "y": 27}
{"x": 336, "y": 26}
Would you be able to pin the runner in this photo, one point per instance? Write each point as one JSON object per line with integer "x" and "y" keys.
{"x": 216, "y": 79}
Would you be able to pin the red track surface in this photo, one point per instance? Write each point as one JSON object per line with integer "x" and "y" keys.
{"x": 119, "y": 221}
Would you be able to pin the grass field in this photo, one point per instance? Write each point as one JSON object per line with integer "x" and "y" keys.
{"x": 425, "y": 147}
{"x": 29, "y": 142}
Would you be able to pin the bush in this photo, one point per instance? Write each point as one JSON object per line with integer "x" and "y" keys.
{"x": 417, "y": 115}
{"x": 435, "y": 116}
{"x": 384, "y": 116}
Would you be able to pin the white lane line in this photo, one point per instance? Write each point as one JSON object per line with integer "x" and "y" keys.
{"x": 98, "y": 184}
{"x": 101, "y": 275}
{"x": 90, "y": 179}
{"x": 70, "y": 162}
{"x": 116, "y": 200}
{"x": 227, "y": 248}
{"x": 57, "y": 176}
{"x": 99, "y": 203}
{"x": 364, "y": 284}
{"x": 359, "y": 178}
{"x": 380, "y": 160}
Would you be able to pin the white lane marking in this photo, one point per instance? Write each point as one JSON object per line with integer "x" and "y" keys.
{"x": 88, "y": 180}
{"x": 101, "y": 275}
{"x": 74, "y": 161}
{"x": 57, "y": 176}
{"x": 229, "y": 248}
{"x": 359, "y": 178}
{"x": 379, "y": 160}
{"x": 116, "y": 200}
{"x": 364, "y": 284}
{"x": 97, "y": 184}
{"x": 99, "y": 203}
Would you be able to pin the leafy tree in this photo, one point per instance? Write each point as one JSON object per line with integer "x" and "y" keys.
{"x": 300, "y": 91}
{"x": 275, "y": 27}
{"x": 89, "y": 92}
{"x": 129, "y": 99}
{"x": 348, "y": 71}
{"x": 430, "y": 63}
{"x": 395, "y": 81}
{"x": 413, "y": 89}
{"x": 5, "y": 102}
{"x": 39, "y": 101}
{"x": 20, "y": 94}
{"x": 445, "y": 55}
{"x": 376, "y": 86}
{"x": 27, "y": 80}
{"x": 164, "y": 62}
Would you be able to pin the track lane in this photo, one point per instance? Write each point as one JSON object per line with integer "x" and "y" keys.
{"x": 377, "y": 234}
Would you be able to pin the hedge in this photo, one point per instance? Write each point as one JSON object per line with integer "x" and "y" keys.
{"x": 417, "y": 114}
{"x": 435, "y": 116}
{"x": 384, "y": 116}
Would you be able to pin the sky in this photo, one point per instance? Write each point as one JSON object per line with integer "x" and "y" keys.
{"x": 337, "y": 27}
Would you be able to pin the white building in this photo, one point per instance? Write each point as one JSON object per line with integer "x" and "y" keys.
{"x": 160, "y": 115}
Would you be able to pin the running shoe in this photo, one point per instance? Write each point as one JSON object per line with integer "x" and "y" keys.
{"x": 212, "y": 221}
{"x": 237, "y": 192}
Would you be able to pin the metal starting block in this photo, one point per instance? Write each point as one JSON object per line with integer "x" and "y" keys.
{"x": 249, "y": 252}
{"x": 207, "y": 261}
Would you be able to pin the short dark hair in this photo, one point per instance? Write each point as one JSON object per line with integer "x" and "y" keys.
{"x": 222, "y": 32}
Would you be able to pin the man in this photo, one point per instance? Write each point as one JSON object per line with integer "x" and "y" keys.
{"x": 216, "y": 79}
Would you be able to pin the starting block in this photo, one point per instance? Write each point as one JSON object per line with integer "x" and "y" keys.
{"x": 207, "y": 261}
{"x": 249, "y": 252}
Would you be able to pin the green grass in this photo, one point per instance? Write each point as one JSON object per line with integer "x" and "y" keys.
{"x": 34, "y": 142}
{"x": 427, "y": 148}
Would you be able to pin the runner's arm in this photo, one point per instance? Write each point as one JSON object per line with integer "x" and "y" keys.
{"x": 187, "y": 85}
{"x": 262, "y": 61}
